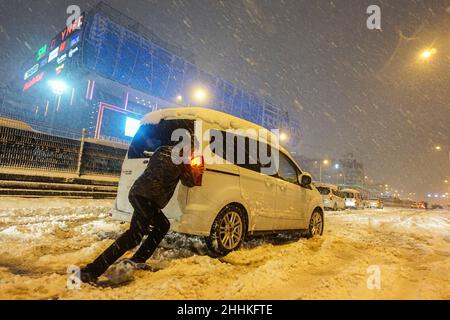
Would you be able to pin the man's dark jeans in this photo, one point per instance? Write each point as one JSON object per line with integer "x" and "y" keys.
{"x": 148, "y": 220}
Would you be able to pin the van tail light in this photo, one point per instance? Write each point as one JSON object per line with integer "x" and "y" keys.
{"x": 197, "y": 167}
{"x": 198, "y": 161}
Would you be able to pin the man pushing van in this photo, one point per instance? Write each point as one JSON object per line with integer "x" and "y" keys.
{"x": 150, "y": 193}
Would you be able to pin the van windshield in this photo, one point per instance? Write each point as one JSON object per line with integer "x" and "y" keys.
{"x": 151, "y": 136}
{"x": 323, "y": 190}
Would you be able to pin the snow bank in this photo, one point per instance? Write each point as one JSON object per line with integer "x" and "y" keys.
{"x": 39, "y": 240}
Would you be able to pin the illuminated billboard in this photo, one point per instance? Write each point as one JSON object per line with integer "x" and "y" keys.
{"x": 131, "y": 127}
{"x": 52, "y": 58}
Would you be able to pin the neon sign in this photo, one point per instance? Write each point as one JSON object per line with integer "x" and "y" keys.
{"x": 31, "y": 72}
{"x": 33, "y": 81}
{"x": 41, "y": 53}
{"x": 72, "y": 52}
{"x": 59, "y": 69}
{"x": 62, "y": 58}
{"x": 75, "y": 40}
{"x": 75, "y": 26}
{"x": 53, "y": 55}
{"x": 52, "y": 58}
{"x": 62, "y": 47}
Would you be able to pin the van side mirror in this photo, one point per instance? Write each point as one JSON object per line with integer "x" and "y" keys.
{"x": 305, "y": 179}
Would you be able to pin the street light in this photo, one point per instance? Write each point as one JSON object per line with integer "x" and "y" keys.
{"x": 439, "y": 148}
{"x": 427, "y": 54}
{"x": 324, "y": 162}
{"x": 58, "y": 87}
{"x": 283, "y": 136}
{"x": 200, "y": 95}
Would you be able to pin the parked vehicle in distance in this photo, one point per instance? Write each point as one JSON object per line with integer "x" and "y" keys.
{"x": 233, "y": 199}
{"x": 419, "y": 205}
{"x": 353, "y": 199}
{"x": 331, "y": 196}
{"x": 375, "y": 203}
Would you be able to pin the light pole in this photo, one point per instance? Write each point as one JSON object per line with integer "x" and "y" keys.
{"x": 325, "y": 162}
{"x": 439, "y": 148}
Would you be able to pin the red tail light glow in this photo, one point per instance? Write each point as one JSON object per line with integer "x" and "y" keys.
{"x": 198, "y": 161}
{"x": 197, "y": 167}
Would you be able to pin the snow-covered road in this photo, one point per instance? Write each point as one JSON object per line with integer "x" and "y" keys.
{"x": 40, "y": 238}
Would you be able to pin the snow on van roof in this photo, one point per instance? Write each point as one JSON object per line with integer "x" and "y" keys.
{"x": 350, "y": 190}
{"x": 224, "y": 120}
{"x": 325, "y": 185}
{"x": 221, "y": 119}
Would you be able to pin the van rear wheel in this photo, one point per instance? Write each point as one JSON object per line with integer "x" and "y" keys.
{"x": 227, "y": 232}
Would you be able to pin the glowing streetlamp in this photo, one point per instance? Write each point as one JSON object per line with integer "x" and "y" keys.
{"x": 439, "y": 148}
{"x": 179, "y": 98}
{"x": 200, "y": 95}
{"x": 58, "y": 87}
{"x": 324, "y": 162}
{"x": 427, "y": 54}
{"x": 283, "y": 136}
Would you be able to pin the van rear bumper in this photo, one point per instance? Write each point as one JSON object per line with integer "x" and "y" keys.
{"x": 192, "y": 222}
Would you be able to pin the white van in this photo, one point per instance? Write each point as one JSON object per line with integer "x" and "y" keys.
{"x": 331, "y": 196}
{"x": 233, "y": 200}
{"x": 353, "y": 199}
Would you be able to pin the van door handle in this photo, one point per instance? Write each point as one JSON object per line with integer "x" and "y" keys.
{"x": 145, "y": 162}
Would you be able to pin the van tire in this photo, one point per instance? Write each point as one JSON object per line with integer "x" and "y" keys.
{"x": 231, "y": 220}
{"x": 311, "y": 232}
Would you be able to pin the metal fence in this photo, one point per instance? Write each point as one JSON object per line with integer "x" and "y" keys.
{"x": 24, "y": 149}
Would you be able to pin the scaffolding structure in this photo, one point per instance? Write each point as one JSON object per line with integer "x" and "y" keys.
{"x": 120, "y": 55}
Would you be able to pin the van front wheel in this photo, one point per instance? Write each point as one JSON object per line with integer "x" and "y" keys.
{"x": 227, "y": 232}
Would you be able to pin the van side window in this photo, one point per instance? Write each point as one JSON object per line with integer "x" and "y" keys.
{"x": 237, "y": 149}
{"x": 287, "y": 171}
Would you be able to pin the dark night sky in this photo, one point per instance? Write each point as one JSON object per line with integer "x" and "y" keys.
{"x": 357, "y": 90}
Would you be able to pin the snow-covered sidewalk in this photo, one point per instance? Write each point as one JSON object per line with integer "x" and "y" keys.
{"x": 40, "y": 238}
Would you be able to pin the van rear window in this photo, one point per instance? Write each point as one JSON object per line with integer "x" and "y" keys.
{"x": 151, "y": 136}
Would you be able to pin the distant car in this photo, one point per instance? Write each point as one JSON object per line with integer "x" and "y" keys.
{"x": 331, "y": 196}
{"x": 353, "y": 199}
{"x": 419, "y": 205}
{"x": 375, "y": 203}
